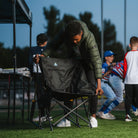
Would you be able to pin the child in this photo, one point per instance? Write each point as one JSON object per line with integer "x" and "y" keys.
{"x": 131, "y": 77}
{"x": 116, "y": 82}
{"x": 135, "y": 110}
{"x": 108, "y": 91}
{"x": 36, "y": 71}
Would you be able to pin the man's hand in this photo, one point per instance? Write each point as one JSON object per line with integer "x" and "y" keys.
{"x": 99, "y": 91}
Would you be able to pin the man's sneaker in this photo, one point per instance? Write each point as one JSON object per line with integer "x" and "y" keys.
{"x": 128, "y": 118}
{"x": 107, "y": 116}
{"x": 93, "y": 122}
{"x": 64, "y": 123}
{"x": 135, "y": 112}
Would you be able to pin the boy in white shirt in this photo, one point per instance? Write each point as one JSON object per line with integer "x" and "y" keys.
{"x": 131, "y": 77}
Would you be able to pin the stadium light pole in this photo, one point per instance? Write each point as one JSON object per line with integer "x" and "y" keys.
{"x": 125, "y": 26}
{"x": 102, "y": 30}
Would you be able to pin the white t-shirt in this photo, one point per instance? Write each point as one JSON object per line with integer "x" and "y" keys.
{"x": 131, "y": 67}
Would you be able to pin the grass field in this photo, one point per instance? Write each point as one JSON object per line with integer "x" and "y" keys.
{"x": 107, "y": 129}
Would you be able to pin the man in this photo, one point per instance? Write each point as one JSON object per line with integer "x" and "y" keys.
{"x": 81, "y": 43}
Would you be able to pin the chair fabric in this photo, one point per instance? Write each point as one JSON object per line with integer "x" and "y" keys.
{"x": 65, "y": 76}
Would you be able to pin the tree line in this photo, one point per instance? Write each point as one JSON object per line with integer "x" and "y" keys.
{"x": 6, "y": 57}
{"x": 54, "y": 25}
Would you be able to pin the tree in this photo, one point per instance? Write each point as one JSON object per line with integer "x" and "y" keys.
{"x": 109, "y": 33}
{"x": 62, "y": 23}
{"x": 52, "y": 16}
{"x": 55, "y": 24}
{"x": 67, "y": 18}
{"x": 110, "y": 42}
{"x": 5, "y": 57}
{"x": 128, "y": 48}
{"x": 87, "y": 18}
{"x": 63, "y": 51}
{"x": 22, "y": 61}
{"x": 117, "y": 48}
{"x": 1, "y": 45}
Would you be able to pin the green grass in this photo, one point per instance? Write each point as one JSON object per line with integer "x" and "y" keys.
{"x": 106, "y": 129}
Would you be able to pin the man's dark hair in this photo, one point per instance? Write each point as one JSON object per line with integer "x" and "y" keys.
{"x": 41, "y": 38}
{"x": 72, "y": 29}
{"x": 133, "y": 40}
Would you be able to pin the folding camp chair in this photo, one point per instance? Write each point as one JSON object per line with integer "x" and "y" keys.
{"x": 69, "y": 112}
{"x": 65, "y": 79}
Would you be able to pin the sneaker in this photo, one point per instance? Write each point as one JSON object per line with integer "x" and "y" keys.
{"x": 93, "y": 122}
{"x": 107, "y": 116}
{"x": 37, "y": 119}
{"x": 128, "y": 118}
{"x": 64, "y": 123}
{"x": 112, "y": 116}
{"x": 99, "y": 114}
{"x": 42, "y": 119}
{"x": 135, "y": 112}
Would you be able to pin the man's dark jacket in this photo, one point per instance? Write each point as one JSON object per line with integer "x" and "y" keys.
{"x": 87, "y": 48}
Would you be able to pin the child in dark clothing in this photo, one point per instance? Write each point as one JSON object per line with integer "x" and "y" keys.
{"x": 36, "y": 71}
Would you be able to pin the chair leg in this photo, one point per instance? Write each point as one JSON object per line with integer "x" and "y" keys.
{"x": 40, "y": 123}
{"x": 49, "y": 120}
{"x": 71, "y": 111}
{"x": 77, "y": 120}
{"x": 86, "y": 113}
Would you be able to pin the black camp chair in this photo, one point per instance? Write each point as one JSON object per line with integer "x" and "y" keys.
{"x": 64, "y": 80}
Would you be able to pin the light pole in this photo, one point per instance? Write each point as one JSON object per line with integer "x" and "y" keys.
{"x": 102, "y": 30}
{"x": 125, "y": 26}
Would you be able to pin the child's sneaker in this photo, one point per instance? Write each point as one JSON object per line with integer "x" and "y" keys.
{"x": 99, "y": 114}
{"x": 128, "y": 118}
{"x": 42, "y": 119}
{"x": 135, "y": 112}
{"x": 112, "y": 116}
{"x": 107, "y": 116}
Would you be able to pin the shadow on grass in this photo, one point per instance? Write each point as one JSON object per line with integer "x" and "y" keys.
{"x": 20, "y": 125}
{"x": 17, "y": 125}
{"x": 6, "y": 124}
